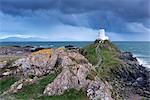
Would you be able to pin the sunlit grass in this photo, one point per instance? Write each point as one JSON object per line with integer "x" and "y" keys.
{"x": 71, "y": 94}
{"x": 34, "y": 90}
{"x": 6, "y": 83}
{"x": 108, "y": 54}
{"x": 91, "y": 54}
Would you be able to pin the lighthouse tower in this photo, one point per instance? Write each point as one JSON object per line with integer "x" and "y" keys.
{"x": 101, "y": 35}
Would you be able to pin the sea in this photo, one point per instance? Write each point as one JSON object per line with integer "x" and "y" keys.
{"x": 141, "y": 50}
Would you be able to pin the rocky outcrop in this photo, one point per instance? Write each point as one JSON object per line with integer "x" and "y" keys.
{"x": 15, "y": 50}
{"x": 73, "y": 74}
{"x": 134, "y": 75}
{"x": 114, "y": 74}
{"x": 99, "y": 90}
{"x": 3, "y": 64}
{"x": 37, "y": 64}
{"x": 120, "y": 69}
{"x": 75, "y": 69}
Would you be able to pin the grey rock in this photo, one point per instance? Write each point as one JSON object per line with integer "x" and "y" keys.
{"x": 36, "y": 64}
{"x": 3, "y": 64}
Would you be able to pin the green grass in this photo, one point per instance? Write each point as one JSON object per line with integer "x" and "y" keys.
{"x": 34, "y": 90}
{"x": 6, "y": 83}
{"x": 91, "y": 54}
{"x": 71, "y": 94}
{"x": 92, "y": 74}
{"x": 109, "y": 56}
{"x": 110, "y": 62}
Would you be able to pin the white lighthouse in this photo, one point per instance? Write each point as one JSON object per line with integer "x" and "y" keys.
{"x": 101, "y": 35}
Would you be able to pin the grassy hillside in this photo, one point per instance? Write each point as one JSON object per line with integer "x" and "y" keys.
{"x": 108, "y": 54}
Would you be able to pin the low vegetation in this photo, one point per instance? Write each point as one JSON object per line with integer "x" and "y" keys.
{"x": 71, "y": 94}
{"x": 35, "y": 91}
{"x": 6, "y": 83}
{"x": 108, "y": 54}
{"x": 90, "y": 53}
{"x": 29, "y": 91}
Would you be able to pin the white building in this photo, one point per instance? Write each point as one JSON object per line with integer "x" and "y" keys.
{"x": 101, "y": 35}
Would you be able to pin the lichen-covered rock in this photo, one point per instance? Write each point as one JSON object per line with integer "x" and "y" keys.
{"x": 36, "y": 64}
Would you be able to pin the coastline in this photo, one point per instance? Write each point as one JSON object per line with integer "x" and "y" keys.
{"x": 116, "y": 67}
{"x": 142, "y": 62}
{"x": 126, "y": 46}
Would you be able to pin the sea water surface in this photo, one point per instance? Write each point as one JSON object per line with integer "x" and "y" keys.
{"x": 141, "y": 50}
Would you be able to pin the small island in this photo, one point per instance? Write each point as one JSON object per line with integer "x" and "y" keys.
{"x": 98, "y": 71}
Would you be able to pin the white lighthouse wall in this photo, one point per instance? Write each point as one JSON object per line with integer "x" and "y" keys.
{"x": 102, "y": 35}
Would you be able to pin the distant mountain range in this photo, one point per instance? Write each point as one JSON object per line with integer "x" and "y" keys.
{"x": 17, "y": 39}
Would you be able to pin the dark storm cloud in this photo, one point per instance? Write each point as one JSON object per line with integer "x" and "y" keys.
{"x": 118, "y": 16}
{"x": 28, "y": 4}
{"x": 131, "y": 10}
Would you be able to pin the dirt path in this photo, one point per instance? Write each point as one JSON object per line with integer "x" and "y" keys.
{"x": 98, "y": 52}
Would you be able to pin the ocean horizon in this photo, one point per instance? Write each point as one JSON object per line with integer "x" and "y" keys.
{"x": 139, "y": 49}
